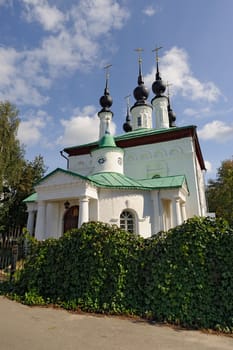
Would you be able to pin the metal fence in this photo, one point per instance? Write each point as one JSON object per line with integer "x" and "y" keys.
{"x": 11, "y": 253}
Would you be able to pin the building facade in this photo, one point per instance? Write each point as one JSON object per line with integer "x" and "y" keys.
{"x": 146, "y": 180}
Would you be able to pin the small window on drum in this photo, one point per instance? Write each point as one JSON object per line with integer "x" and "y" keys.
{"x": 127, "y": 221}
{"x": 139, "y": 121}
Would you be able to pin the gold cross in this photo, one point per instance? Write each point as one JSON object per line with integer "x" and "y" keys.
{"x": 156, "y": 50}
{"x": 168, "y": 90}
{"x": 127, "y": 100}
{"x": 139, "y": 51}
{"x": 107, "y": 70}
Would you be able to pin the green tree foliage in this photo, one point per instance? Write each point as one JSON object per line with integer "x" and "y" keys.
{"x": 11, "y": 154}
{"x": 220, "y": 192}
{"x": 184, "y": 276}
{"x": 17, "y": 175}
{"x": 14, "y": 209}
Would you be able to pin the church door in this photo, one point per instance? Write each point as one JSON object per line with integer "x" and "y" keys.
{"x": 71, "y": 218}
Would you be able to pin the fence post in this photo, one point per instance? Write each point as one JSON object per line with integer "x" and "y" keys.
{"x": 14, "y": 258}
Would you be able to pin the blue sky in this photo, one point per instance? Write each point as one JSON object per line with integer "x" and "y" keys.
{"x": 52, "y": 54}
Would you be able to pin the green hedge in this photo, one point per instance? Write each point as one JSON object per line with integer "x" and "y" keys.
{"x": 184, "y": 276}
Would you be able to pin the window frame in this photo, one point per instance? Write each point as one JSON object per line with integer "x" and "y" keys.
{"x": 128, "y": 222}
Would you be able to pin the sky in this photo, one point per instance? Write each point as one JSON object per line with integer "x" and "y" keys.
{"x": 53, "y": 54}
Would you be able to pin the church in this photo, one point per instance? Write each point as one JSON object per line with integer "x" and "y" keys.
{"x": 146, "y": 180}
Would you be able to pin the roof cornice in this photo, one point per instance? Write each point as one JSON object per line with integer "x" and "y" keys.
{"x": 146, "y": 137}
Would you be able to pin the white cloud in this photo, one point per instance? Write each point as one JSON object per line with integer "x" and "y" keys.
{"x": 76, "y": 42}
{"x": 82, "y": 127}
{"x": 30, "y": 128}
{"x": 50, "y": 17}
{"x": 216, "y": 130}
{"x": 97, "y": 17}
{"x": 208, "y": 166}
{"x": 175, "y": 68}
{"x": 18, "y": 83}
{"x": 190, "y": 112}
{"x": 149, "y": 11}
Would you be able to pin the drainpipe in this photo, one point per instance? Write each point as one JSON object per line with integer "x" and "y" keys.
{"x": 67, "y": 159}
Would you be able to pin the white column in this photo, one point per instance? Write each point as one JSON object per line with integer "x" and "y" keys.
{"x": 161, "y": 113}
{"x": 30, "y": 221}
{"x": 176, "y": 211}
{"x": 83, "y": 211}
{"x": 142, "y": 113}
{"x": 183, "y": 211}
{"x": 52, "y": 215}
{"x": 157, "y": 213}
{"x": 40, "y": 221}
{"x": 105, "y": 116}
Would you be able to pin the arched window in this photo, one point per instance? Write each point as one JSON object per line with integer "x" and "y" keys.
{"x": 127, "y": 221}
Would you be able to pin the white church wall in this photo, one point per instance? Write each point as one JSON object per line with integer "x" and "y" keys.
{"x": 52, "y": 220}
{"x": 54, "y": 217}
{"x": 82, "y": 164}
{"x": 111, "y": 161}
{"x": 201, "y": 189}
{"x": 176, "y": 157}
{"x": 63, "y": 191}
{"x": 113, "y": 202}
{"x": 93, "y": 210}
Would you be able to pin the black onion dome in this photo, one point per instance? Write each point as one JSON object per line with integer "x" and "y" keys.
{"x": 172, "y": 118}
{"x": 158, "y": 86}
{"x": 106, "y": 100}
{"x": 127, "y": 127}
{"x": 141, "y": 93}
{"x": 171, "y": 115}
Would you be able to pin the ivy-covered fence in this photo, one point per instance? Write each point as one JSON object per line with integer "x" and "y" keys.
{"x": 11, "y": 252}
{"x": 184, "y": 276}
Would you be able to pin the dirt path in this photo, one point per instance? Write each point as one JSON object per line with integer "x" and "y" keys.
{"x": 34, "y": 328}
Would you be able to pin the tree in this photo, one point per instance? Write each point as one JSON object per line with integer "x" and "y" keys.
{"x": 17, "y": 175}
{"x": 220, "y": 192}
{"x": 11, "y": 153}
{"x": 31, "y": 172}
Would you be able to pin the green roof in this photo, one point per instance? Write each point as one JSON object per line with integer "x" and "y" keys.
{"x": 120, "y": 181}
{"x": 69, "y": 172}
{"x": 31, "y": 198}
{"x": 134, "y": 134}
{"x": 151, "y": 131}
{"x": 107, "y": 141}
{"x": 164, "y": 182}
{"x": 115, "y": 180}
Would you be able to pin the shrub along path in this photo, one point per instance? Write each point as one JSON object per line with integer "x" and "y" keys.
{"x": 23, "y": 327}
{"x": 183, "y": 276}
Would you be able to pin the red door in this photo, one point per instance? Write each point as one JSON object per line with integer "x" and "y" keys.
{"x": 71, "y": 218}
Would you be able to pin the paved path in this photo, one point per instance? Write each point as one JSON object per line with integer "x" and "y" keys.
{"x": 35, "y": 328}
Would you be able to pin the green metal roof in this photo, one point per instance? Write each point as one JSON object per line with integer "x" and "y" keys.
{"x": 120, "y": 181}
{"x": 115, "y": 180}
{"x": 69, "y": 172}
{"x": 146, "y": 132}
{"x": 31, "y": 198}
{"x": 164, "y": 182}
{"x": 107, "y": 141}
{"x": 134, "y": 134}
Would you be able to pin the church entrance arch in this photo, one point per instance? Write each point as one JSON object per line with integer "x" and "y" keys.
{"x": 71, "y": 218}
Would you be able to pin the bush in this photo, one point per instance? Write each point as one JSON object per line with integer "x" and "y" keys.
{"x": 183, "y": 276}
{"x": 93, "y": 268}
{"x": 188, "y": 274}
